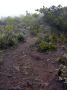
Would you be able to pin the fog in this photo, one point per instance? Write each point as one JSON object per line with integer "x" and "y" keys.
{"x": 19, "y": 7}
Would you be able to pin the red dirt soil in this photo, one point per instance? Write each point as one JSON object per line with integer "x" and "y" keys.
{"x": 26, "y": 69}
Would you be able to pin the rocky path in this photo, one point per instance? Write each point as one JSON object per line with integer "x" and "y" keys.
{"x": 24, "y": 69}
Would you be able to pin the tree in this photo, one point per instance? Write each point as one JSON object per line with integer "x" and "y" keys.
{"x": 55, "y": 16}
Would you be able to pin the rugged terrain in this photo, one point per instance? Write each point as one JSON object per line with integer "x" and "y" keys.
{"x": 26, "y": 69}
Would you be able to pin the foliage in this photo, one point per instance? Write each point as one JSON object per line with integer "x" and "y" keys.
{"x": 50, "y": 41}
{"x": 29, "y": 19}
{"x": 47, "y": 44}
{"x": 44, "y": 46}
{"x": 20, "y": 37}
{"x": 9, "y": 39}
{"x": 63, "y": 38}
{"x": 63, "y": 59}
{"x": 56, "y": 17}
{"x": 9, "y": 27}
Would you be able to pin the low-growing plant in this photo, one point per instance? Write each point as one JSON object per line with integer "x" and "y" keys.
{"x": 12, "y": 42}
{"x": 62, "y": 38}
{"x": 53, "y": 38}
{"x": 3, "y": 41}
{"x": 35, "y": 31}
{"x": 20, "y": 37}
{"x": 10, "y": 39}
{"x": 63, "y": 59}
{"x": 47, "y": 38}
{"x": 45, "y": 46}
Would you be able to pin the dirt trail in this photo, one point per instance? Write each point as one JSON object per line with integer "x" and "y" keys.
{"x": 24, "y": 69}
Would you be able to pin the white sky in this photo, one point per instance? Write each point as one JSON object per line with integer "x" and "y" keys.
{"x": 19, "y": 7}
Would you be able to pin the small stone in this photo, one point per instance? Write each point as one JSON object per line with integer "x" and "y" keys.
{"x": 48, "y": 59}
{"x": 17, "y": 68}
{"x": 9, "y": 76}
{"x": 24, "y": 55}
{"x": 60, "y": 78}
{"x": 25, "y": 67}
{"x": 26, "y": 73}
{"x": 46, "y": 84}
{"x": 50, "y": 71}
{"x": 57, "y": 69}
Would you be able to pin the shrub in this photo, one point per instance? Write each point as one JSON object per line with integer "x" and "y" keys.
{"x": 52, "y": 46}
{"x": 7, "y": 40}
{"x": 35, "y": 31}
{"x": 12, "y": 42}
{"x": 3, "y": 41}
{"x": 20, "y": 37}
{"x": 53, "y": 38}
{"x": 62, "y": 38}
{"x": 63, "y": 59}
{"x": 10, "y": 39}
{"x": 46, "y": 38}
{"x": 45, "y": 46}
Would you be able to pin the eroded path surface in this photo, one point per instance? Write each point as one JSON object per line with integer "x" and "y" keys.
{"x": 26, "y": 69}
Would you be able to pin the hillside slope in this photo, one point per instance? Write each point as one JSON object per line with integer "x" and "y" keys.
{"x": 26, "y": 69}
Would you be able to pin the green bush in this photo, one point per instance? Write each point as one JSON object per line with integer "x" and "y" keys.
{"x": 47, "y": 38}
{"x": 52, "y": 46}
{"x": 12, "y": 42}
{"x": 56, "y": 38}
{"x": 45, "y": 46}
{"x": 10, "y": 39}
{"x": 49, "y": 41}
{"x": 20, "y": 37}
{"x": 3, "y": 41}
{"x": 53, "y": 38}
{"x": 62, "y": 38}
{"x": 55, "y": 16}
{"x": 63, "y": 59}
{"x": 35, "y": 30}
{"x": 7, "y": 41}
